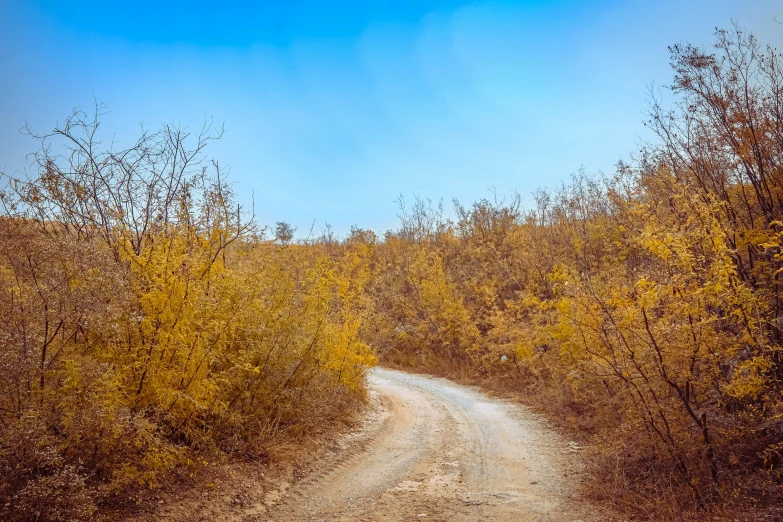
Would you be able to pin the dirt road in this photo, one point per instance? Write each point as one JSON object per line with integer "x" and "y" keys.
{"x": 435, "y": 450}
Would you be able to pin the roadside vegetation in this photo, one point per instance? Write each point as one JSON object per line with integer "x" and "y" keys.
{"x": 148, "y": 325}
{"x": 643, "y": 309}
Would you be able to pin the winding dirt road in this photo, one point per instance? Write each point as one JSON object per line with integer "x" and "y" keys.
{"x": 435, "y": 450}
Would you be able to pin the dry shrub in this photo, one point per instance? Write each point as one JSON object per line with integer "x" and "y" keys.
{"x": 642, "y": 310}
{"x": 38, "y": 483}
{"x": 145, "y": 327}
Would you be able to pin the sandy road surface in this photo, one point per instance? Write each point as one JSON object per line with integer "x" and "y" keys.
{"x": 435, "y": 450}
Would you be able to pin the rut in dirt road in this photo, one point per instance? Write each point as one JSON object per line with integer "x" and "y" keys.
{"x": 436, "y": 450}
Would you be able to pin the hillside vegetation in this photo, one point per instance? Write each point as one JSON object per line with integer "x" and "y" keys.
{"x": 147, "y": 325}
{"x": 643, "y": 308}
{"x": 145, "y": 328}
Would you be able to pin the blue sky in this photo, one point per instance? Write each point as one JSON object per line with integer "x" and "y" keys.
{"x": 333, "y": 109}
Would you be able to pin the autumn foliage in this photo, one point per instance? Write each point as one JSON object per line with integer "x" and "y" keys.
{"x": 146, "y": 323}
{"x": 644, "y": 308}
{"x": 147, "y": 327}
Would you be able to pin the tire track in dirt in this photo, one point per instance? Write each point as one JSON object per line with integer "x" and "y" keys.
{"x": 435, "y": 450}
